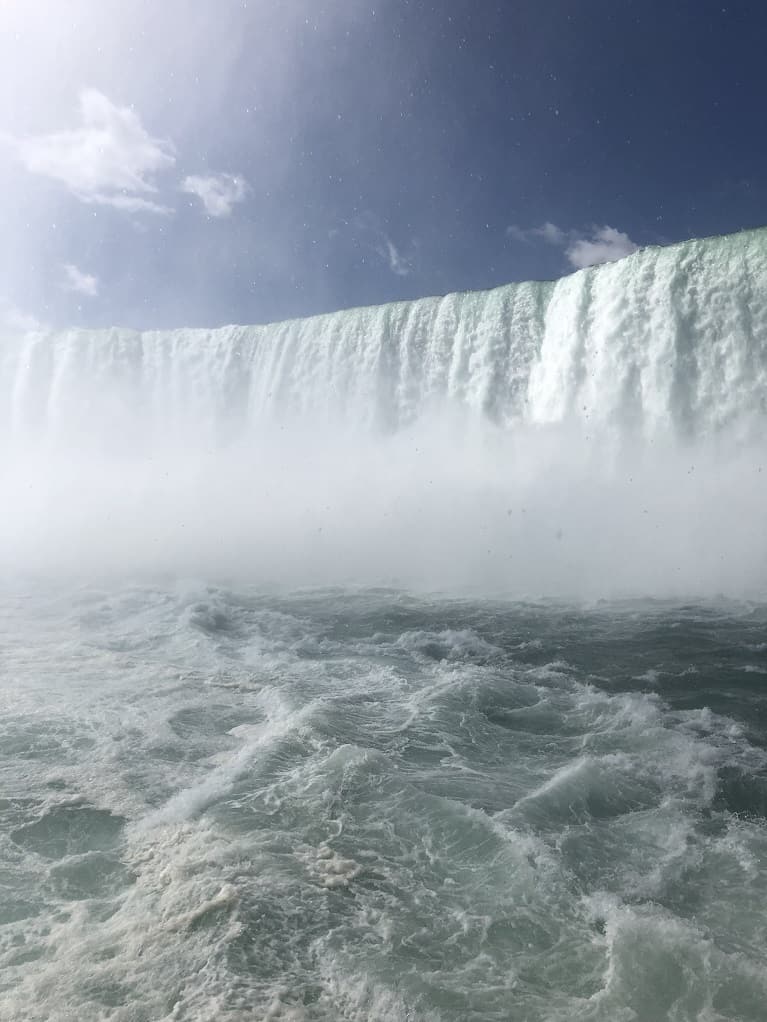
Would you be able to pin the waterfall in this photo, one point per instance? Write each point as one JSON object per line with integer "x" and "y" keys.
{"x": 669, "y": 341}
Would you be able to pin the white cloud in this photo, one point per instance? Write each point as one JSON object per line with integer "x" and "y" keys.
{"x": 82, "y": 283}
{"x": 130, "y": 203}
{"x": 550, "y": 233}
{"x": 372, "y": 236}
{"x": 217, "y": 192}
{"x": 110, "y": 159}
{"x": 398, "y": 263}
{"x": 605, "y": 245}
{"x": 517, "y": 233}
{"x": 546, "y": 232}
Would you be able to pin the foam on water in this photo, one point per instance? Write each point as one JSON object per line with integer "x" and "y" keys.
{"x": 393, "y": 808}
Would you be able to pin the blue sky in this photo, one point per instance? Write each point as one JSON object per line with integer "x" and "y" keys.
{"x": 205, "y": 163}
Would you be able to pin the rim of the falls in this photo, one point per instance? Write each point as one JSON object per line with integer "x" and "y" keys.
{"x": 744, "y": 233}
{"x": 671, "y": 340}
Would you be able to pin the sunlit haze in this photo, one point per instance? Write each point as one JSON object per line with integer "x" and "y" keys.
{"x": 203, "y": 164}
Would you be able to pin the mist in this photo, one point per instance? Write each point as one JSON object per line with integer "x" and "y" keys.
{"x": 444, "y": 505}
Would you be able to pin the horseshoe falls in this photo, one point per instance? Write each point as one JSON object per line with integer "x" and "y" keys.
{"x": 599, "y": 436}
{"x": 400, "y": 663}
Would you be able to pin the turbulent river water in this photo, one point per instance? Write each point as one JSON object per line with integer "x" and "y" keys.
{"x": 397, "y": 664}
{"x": 227, "y": 804}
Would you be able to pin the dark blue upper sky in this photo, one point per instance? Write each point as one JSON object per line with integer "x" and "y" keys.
{"x": 206, "y": 163}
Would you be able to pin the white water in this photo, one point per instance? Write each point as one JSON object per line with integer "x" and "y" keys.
{"x": 220, "y": 806}
{"x": 604, "y": 432}
{"x": 219, "y": 802}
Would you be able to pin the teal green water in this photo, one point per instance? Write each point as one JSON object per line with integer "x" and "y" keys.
{"x": 363, "y": 804}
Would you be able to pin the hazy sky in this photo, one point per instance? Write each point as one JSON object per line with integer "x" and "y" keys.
{"x": 192, "y": 163}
